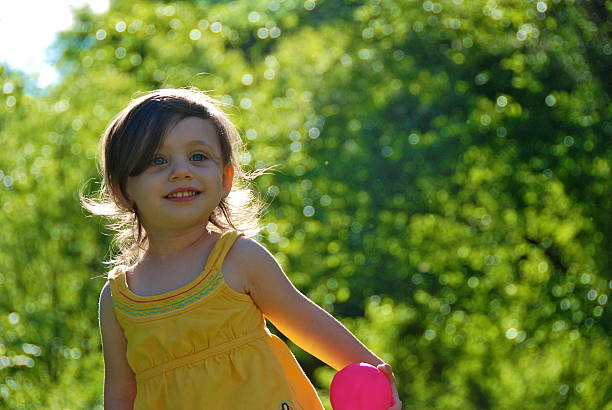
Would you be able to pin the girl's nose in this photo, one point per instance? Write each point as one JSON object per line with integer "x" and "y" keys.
{"x": 180, "y": 169}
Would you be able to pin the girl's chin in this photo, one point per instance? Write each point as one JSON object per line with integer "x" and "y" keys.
{"x": 178, "y": 218}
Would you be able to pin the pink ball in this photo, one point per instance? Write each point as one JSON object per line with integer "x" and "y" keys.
{"x": 360, "y": 386}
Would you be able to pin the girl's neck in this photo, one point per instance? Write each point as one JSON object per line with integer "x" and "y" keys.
{"x": 171, "y": 246}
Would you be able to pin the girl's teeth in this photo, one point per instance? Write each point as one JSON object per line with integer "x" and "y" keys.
{"x": 182, "y": 194}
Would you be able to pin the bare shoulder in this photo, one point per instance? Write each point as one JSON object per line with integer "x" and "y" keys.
{"x": 245, "y": 249}
{"x": 271, "y": 289}
{"x": 245, "y": 258}
{"x": 250, "y": 254}
{"x": 105, "y": 299}
{"x": 106, "y": 309}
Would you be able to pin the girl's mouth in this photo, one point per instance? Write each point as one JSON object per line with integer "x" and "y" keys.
{"x": 183, "y": 196}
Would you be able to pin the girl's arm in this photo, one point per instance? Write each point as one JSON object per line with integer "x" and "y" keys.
{"x": 119, "y": 379}
{"x": 304, "y": 322}
{"x": 295, "y": 315}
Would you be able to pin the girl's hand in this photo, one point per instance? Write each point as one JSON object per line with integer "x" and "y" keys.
{"x": 388, "y": 370}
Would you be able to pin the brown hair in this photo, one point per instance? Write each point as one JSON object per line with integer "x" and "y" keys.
{"x": 131, "y": 140}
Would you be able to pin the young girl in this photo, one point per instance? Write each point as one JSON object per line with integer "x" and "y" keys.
{"x": 182, "y": 314}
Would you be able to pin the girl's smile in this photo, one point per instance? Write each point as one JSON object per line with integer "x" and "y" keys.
{"x": 184, "y": 196}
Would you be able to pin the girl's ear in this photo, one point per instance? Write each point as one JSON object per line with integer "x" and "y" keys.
{"x": 228, "y": 179}
{"x": 121, "y": 200}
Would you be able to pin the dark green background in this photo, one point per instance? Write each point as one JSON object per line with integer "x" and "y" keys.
{"x": 443, "y": 185}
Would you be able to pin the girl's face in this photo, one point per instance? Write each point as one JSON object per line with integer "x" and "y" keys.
{"x": 190, "y": 157}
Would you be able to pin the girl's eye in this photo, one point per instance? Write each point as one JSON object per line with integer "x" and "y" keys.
{"x": 159, "y": 160}
{"x": 155, "y": 162}
{"x": 200, "y": 155}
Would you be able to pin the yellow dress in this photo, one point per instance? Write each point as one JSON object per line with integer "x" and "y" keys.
{"x": 206, "y": 346}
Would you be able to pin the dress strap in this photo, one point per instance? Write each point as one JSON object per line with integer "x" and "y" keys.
{"x": 223, "y": 245}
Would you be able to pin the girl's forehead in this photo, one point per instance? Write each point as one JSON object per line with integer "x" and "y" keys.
{"x": 192, "y": 131}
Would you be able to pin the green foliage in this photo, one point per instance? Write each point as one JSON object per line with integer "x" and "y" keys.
{"x": 444, "y": 186}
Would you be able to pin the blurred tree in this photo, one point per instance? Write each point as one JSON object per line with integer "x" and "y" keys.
{"x": 444, "y": 190}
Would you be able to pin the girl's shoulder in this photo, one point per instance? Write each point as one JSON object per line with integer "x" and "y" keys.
{"x": 115, "y": 278}
{"x": 242, "y": 251}
{"x": 116, "y": 272}
{"x": 235, "y": 263}
{"x": 247, "y": 257}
